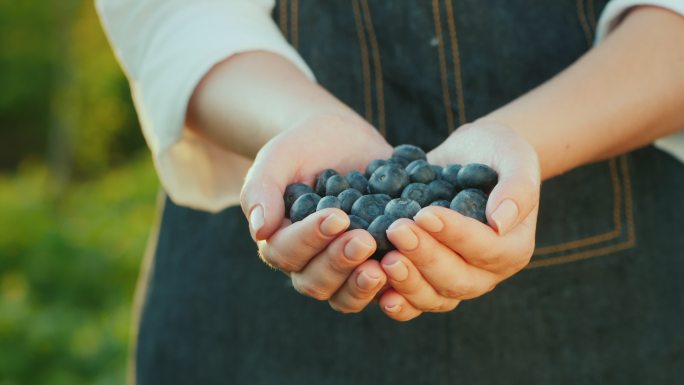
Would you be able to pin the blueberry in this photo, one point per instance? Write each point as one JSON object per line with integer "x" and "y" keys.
{"x": 335, "y": 185}
{"x": 347, "y": 199}
{"x": 369, "y": 207}
{"x": 441, "y": 203}
{"x": 357, "y": 223}
{"x": 441, "y": 189}
{"x": 374, "y": 165}
{"x": 358, "y": 181}
{"x": 409, "y": 152}
{"x": 471, "y": 203}
{"x": 399, "y": 160}
{"x": 479, "y": 176}
{"x": 322, "y": 179}
{"x": 304, "y": 206}
{"x": 328, "y": 202}
{"x": 450, "y": 173}
{"x": 419, "y": 192}
{"x": 402, "y": 208}
{"x": 420, "y": 171}
{"x": 292, "y": 192}
{"x": 389, "y": 179}
{"x": 378, "y": 229}
{"x": 438, "y": 171}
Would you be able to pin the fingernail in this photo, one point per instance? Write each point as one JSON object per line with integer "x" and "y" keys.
{"x": 396, "y": 270}
{"x": 333, "y": 224}
{"x": 256, "y": 220}
{"x": 393, "y": 308}
{"x": 357, "y": 249}
{"x": 403, "y": 237}
{"x": 429, "y": 221}
{"x": 505, "y": 215}
{"x": 367, "y": 280}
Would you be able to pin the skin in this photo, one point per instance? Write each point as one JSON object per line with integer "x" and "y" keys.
{"x": 621, "y": 95}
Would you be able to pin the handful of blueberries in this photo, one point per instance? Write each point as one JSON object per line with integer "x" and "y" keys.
{"x": 394, "y": 188}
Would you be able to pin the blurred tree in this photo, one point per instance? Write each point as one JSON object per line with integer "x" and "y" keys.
{"x": 60, "y": 81}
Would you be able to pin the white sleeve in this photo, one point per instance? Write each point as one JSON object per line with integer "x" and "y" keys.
{"x": 165, "y": 48}
{"x": 611, "y": 16}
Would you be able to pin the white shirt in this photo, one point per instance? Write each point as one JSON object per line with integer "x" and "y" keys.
{"x": 166, "y": 46}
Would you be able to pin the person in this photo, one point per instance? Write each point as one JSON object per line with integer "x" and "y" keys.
{"x": 222, "y": 97}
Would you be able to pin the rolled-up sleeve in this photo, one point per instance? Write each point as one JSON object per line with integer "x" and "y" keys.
{"x": 165, "y": 48}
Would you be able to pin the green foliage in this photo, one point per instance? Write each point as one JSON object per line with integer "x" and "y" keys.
{"x": 67, "y": 274}
{"x": 62, "y": 90}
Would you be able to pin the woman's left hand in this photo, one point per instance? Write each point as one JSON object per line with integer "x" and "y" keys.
{"x": 443, "y": 257}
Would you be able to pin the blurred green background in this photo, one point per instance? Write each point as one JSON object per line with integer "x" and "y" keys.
{"x": 77, "y": 198}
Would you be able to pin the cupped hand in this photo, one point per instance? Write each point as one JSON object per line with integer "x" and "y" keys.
{"x": 443, "y": 257}
{"x": 322, "y": 260}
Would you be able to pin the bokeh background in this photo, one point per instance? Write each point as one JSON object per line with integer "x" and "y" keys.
{"x": 77, "y": 198}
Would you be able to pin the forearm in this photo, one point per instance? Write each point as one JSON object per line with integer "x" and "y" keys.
{"x": 621, "y": 95}
{"x": 249, "y": 98}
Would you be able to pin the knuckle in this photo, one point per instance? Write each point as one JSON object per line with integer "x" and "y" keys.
{"x": 343, "y": 308}
{"x": 309, "y": 290}
{"x": 459, "y": 291}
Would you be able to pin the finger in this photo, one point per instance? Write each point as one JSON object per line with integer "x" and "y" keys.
{"x": 442, "y": 268}
{"x": 397, "y": 307}
{"x": 478, "y": 244}
{"x": 291, "y": 248}
{"x": 360, "y": 288}
{"x": 516, "y": 193}
{"x": 403, "y": 276}
{"x": 328, "y": 271}
{"x": 261, "y": 196}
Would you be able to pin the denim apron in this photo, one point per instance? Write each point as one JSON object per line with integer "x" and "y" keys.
{"x": 601, "y": 302}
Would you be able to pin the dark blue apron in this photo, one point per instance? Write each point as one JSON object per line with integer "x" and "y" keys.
{"x": 601, "y": 302}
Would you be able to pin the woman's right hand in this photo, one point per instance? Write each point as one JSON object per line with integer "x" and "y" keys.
{"x": 322, "y": 260}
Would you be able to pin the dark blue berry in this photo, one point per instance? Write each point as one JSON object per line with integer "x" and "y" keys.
{"x": 420, "y": 171}
{"x": 441, "y": 203}
{"x": 374, "y": 165}
{"x": 438, "y": 171}
{"x": 441, "y": 189}
{"x": 369, "y": 207}
{"x": 419, "y": 192}
{"x": 389, "y": 179}
{"x": 378, "y": 229}
{"x": 322, "y": 179}
{"x": 357, "y": 223}
{"x": 328, "y": 202}
{"x": 450, "y": 174}
{"x": 402, "y": 208}
{"x": 304, "y": 206}
{"x": 479, "y": 176}
{"x": 409, "y": 152}
{"x": 399, "y": 160}
{"x": 358, "y": 181}
{"x": 471, "y": 203}
{"x": 347, "y": 199}
{"x": 335, "y": 185}
{"x": 292, "y": 192}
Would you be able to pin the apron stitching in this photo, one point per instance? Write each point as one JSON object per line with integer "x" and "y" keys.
{"x": 282, "y": 17}
{"x": 592, "y": 16}
{"x": 582, "y": 16}
{"x": 457, "y": 63}
{"x": 442, "y": 65}
{"x": 377, "y": 66}
{"x": 629, "y": 243}
{"x": 365, "y": 64}
{"x": 617, "y": 222}
{"x": 294, "y": 23}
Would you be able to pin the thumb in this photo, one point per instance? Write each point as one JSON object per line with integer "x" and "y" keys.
{"x": 261, "y": 197}
{"x": 517, "y": 192}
